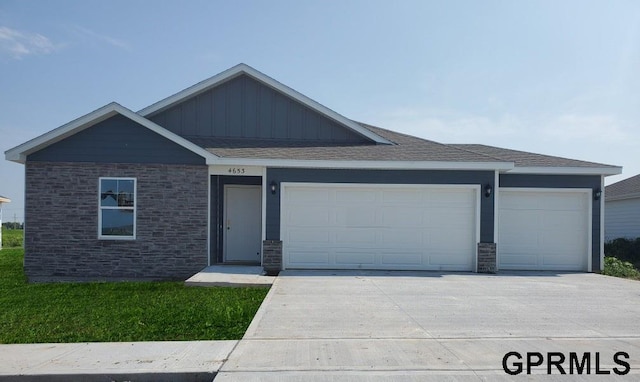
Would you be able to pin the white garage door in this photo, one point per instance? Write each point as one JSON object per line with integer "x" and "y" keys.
{"x": 352, "y": 226}
{"x": 544, "y": 230}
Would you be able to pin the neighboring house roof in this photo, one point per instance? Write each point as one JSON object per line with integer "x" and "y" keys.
{"x": 19, "y": 153}
{"x": 4, "y": 199}
{"x": 246, "y": 69}
{"x": 526, "y": 162}
{"x": 625, "y": 189}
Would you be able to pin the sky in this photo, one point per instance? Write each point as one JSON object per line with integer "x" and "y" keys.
{"x": 553, "y": 77}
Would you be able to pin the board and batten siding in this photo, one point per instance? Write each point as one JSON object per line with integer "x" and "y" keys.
{"x": 622, "y": 219}
{"x": 245, "y": 108}
{"x": 117, "y": 140}
{"x": 279, "y": 175}
{"x": 564, "y": 181}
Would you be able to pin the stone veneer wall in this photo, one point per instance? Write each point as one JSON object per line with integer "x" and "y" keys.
{"x": 272, "y": 257}
{"x": 486, "y": 257}
{"x": 61, "y": 222}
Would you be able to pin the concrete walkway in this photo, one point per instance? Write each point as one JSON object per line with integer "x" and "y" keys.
{"x": 231, "y": 276}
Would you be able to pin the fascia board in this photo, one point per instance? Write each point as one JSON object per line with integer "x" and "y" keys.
{"x": 567, "y": 170}
{"x": 356, "y": 164}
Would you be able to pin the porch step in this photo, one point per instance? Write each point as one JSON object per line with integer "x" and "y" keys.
{"x": 230, "y": 276}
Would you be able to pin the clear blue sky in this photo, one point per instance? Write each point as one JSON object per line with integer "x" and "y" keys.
{"x": 555, "y": 77}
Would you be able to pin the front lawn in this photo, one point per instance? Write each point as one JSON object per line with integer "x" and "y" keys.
{"x": 118, "y": 311}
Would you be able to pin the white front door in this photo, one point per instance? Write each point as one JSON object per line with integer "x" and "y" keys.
{"x": 242, "y": 223}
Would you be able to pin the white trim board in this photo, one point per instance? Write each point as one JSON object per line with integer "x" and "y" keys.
{"x": 567, "y": 170}
{"x": 263, "y": 78}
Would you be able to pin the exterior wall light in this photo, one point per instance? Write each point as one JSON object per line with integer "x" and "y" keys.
{"x": 487, "y": 190}
{"x": 273, "y": 186}
{"x": 597, "y": 194}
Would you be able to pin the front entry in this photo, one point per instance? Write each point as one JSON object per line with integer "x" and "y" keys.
{"x": 242, "y": 223}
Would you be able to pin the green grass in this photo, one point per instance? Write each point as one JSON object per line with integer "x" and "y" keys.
{"x": 11, "y": 238}
{"x": 119, "y": 311}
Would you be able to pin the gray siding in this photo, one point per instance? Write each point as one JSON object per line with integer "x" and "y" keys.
{"x": 564, "y": 181}
{"x": 245, "y": 108}
{"x": 117, "y": 140}
{"x": 381, "y": 177}
{"x": 61, "y": 230}
{"x": 622, "y": 219}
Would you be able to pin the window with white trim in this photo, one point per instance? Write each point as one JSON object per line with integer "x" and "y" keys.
{"x": 117, "y": 208}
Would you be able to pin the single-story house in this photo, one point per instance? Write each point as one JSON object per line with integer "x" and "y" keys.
{"x": 2, "y": 200}
{"x": 622, "y": 207}
{"x": 242, "y": 169}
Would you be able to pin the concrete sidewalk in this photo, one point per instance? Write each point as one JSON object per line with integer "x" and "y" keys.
{"x": 118, "y": 361}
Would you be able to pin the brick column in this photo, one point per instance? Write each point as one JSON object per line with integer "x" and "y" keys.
{"x": 486, "y": 257}
{"x": 272, "y": 257}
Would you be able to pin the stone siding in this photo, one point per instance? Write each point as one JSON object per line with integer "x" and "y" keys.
{"x": 486, "y": 257}
{"x": 61, "y": 223}
{"x": 272, "y": 257}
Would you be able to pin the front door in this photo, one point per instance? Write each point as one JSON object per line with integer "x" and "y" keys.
{"x": 242, "y": 223}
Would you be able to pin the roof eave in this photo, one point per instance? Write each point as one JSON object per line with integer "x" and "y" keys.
{"x": 606, "y": 171}
{"x": 246, "y": 69}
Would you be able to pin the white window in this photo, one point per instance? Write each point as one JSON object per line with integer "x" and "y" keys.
{"x": 117, "y": 209}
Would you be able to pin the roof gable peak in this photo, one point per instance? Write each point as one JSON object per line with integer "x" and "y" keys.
{"x": 245, "y": 69}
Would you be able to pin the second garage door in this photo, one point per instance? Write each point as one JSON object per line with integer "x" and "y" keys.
{"x": 353, "y": 226}
{"x": 544, "y": 230}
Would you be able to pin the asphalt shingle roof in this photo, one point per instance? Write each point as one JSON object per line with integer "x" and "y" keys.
{"x": 629, "y": 187}
{"x": 404, "y": 148}
{"x": 526, "y": 159}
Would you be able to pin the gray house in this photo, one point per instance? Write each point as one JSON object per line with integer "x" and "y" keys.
{"x": 622, "y": 206}
{"x": 242, "y": 169}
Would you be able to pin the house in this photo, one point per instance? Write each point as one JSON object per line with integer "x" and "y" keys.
{"x": 2, "y": 200}
{"x": 242, "y": 169}
{"x": 622, "y": 206}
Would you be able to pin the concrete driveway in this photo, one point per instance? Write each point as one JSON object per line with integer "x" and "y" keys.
{"x": 429, "y": 326}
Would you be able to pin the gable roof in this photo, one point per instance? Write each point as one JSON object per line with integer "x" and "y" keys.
{"x": 625, "y": 189}
{"x": 19, "y": 153}
{"x": 263, "y": 78}
{"x": 526, "y": 162}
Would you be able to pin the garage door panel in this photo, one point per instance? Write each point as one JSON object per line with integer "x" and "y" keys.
{"x": 449, "y": 261}
{"x": 402, "y": 197}
{"x": 308, "y": 216}
{"x": 543, "y": 230}
{"x": 355, "y": 236}
{"x": 307, "y": 235}
{"x": 401, "y": 227}
{"x": 401, "y": 217}
{"x": 303, "y": 257}
{"x": 401, "y": 258}
{"x": 356, "y": 196}
{"x": 308, "y": 196}
{"x": 401, "y": 238}
{"x": 346, "y": 257}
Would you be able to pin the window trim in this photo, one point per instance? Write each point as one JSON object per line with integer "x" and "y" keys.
{"x": 134, "y": 209}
